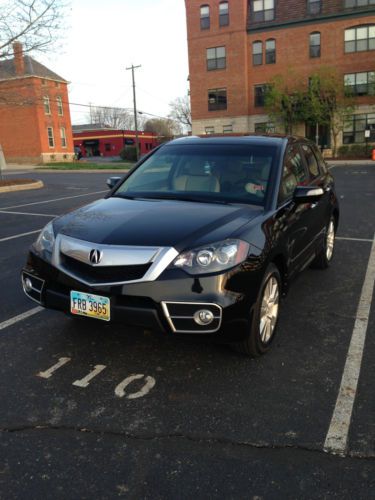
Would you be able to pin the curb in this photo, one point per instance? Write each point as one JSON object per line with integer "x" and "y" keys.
{"x": 21, "y": 187}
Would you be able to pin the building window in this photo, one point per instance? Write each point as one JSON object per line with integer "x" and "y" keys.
{"x": 223, "y": 14}
{"x": 216, "y": 58}
{"x": 205, "y": 17}
{"x": 352, "y": 4}
{"x": 44, "y": 82}
{"x": 259, "y": 95}
{"x": 57, "y": 84}
{"x": 257, "y": 53}
{"x": 265, "y": 128}
{"x": 63, "y": 137}
{"x": 360, "y": 83}
{"x": 360, "y": 39}
{"x": 217, "y": 99}
{"x": 51, "y": 140}
{"x": 227, "y": 129}
{"x": 263, "y": 10}
{"x": 60, "y": 109}
{"x": 107, "y": 147}
{"x": 46, "y": 104}
{"x": 271, "y": 51}
{"x": 314, "y": 6}
{"x": 315, "y": 44}
{"x": 355, "y": 126}
{"x": 209, "y": 130}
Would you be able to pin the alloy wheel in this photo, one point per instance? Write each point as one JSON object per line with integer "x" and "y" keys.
{"x": 269, "y": 309}
{"x": 330, "y": 240}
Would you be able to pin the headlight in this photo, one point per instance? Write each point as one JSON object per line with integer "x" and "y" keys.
{"x": 44, "y": 243}
{"x": 213, "y": 258}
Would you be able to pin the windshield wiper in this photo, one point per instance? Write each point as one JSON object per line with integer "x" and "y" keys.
{"x": 183, "y": 198}
{"x": 122, "y": 195}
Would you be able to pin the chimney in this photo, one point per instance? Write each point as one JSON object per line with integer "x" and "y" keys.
{"x": 19, "y": 62}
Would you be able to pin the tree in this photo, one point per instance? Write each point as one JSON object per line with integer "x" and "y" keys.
{"x": 37, "y": 24}
{"x": 284, "y": 102}
{"x": 328, "y": 102}
{"x": 164, "y": 127}
{"x": 117, "y": 118}
{"x": 181, "y": 112}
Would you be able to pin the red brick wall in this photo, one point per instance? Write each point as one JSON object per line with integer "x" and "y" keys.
{"x": 19, "y": 132}
{"x": 23, "y": 122}
{"x": 49, "y": 88}
{"x": 235, "y": 76}
{"x": 292, "y": 52}
{"x": 291, "y": 10}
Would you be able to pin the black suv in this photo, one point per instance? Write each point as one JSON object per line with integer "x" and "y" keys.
{"x": 202, "y": 237}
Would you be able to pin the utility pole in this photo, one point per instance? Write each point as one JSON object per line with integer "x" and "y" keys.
{"x": 132, "y": 67}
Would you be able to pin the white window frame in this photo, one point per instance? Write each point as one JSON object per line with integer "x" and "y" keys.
{"x": 63, "y": 137}
{"x": 47, "y": 105}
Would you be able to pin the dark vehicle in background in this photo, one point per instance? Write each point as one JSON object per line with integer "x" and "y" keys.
{"x": 202, "y": 237}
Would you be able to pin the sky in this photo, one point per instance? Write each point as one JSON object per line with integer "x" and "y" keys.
{"x": 103, "y": 38}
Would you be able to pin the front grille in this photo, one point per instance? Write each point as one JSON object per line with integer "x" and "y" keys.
{"x": 108, "y": 274}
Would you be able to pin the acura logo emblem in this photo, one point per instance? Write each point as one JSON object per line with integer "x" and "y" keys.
{"x": 96, "y": 256}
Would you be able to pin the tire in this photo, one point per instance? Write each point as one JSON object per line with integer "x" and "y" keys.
{"x": 325, "y": 256}
{"x": 262, "y": 329}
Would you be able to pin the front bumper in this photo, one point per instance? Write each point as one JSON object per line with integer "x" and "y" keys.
{"x": 167, "y": 304}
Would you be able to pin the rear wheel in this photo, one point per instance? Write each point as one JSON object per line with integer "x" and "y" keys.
{"x": 325, "y": 256}
{"x": 262, "y": 327}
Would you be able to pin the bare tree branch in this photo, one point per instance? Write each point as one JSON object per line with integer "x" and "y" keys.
{"x": 180, "y": 111}
{"x": 37, "y": 24}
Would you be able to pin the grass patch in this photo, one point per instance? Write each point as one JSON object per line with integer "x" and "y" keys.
{"x": 86, "y": 166}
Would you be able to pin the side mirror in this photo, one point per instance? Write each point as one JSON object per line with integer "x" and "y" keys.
{"x": 112, "y": 181}
{"x": 307, "y": 194}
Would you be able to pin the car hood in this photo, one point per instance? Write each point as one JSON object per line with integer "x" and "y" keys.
{"x": 118, "y": 221}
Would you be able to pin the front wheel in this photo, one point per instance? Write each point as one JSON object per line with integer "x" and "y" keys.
{"x": 325, "y": 256}
{"x": 262, "y": 327}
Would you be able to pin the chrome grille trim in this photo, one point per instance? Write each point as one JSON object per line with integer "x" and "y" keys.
{"x": 118, "y": 255}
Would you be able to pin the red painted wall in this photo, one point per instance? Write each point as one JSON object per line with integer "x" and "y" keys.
{"x": 111, "y": 142}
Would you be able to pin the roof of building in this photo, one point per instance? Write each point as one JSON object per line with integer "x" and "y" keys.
{"x": 32, "y": 68}
{"x": 91, "y": 126}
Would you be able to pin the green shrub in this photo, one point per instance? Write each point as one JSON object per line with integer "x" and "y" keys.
{"x": 129, "y": 153}
{"x": 343, "y": 150}
{"x": 356, "y": 150}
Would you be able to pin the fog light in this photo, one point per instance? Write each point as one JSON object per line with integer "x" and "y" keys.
{"x": 27, "y": 284}
{"x": 203, "y": 317}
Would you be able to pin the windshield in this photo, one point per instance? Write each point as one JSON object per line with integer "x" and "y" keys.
{"x": 205, "y": 173}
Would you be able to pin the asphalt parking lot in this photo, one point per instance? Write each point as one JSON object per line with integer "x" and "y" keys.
{"x": 91, "y": 410}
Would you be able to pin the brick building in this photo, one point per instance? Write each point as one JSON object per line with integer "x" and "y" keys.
{"x": 237, "y": 46}
{"x": 100, "y": 140}
{"x": 35, "y": 123}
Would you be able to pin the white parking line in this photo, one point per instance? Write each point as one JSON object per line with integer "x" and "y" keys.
{"x": 337, "y": 436}
{"x": 19, "y": 235}
{"x": 20, "y": 317}
{"x": 27, "y": 213}
{"x": 52, "y": 201}
{"x": 85, "y": 381}
{"x": 367, "y": 240}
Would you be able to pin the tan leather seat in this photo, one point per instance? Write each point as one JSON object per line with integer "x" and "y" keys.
{"x": 196, "y": 179}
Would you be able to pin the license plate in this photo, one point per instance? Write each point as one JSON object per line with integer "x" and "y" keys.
{"x": 92, "y": 306}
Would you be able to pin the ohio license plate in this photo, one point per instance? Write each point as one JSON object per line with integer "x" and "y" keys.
{"x": 92, "y": 306}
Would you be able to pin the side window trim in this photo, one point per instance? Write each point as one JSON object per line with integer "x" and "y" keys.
{"x": 286, "y": 201}
{"x": 312, "y": 181}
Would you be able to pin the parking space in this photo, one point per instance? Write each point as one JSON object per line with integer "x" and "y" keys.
{"x": 172, "y": 409}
